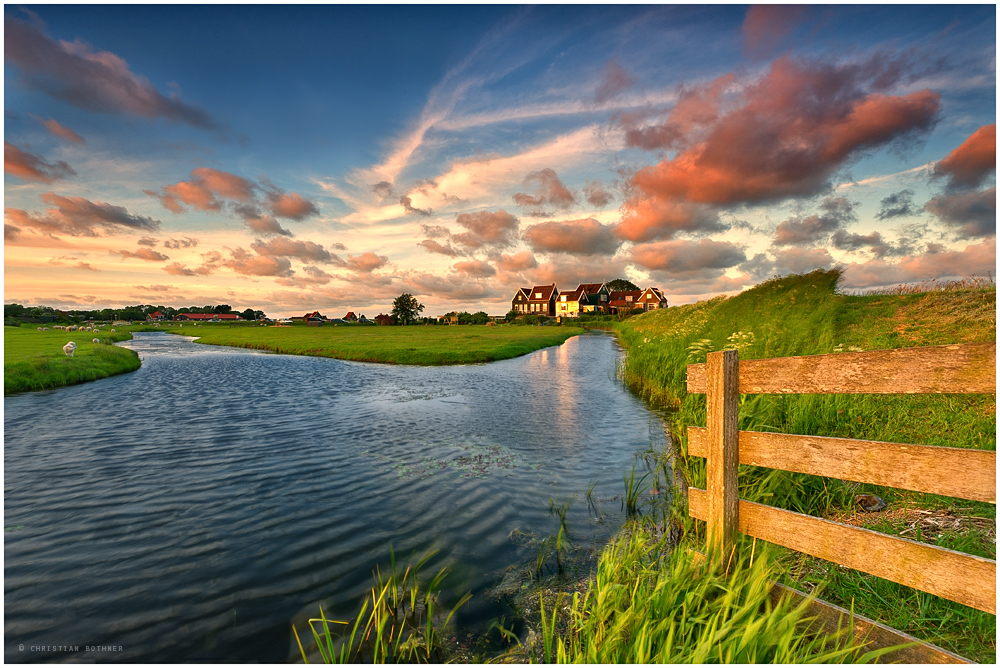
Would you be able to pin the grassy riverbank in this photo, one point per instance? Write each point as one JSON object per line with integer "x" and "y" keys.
{"x": 804, "y": 315}
{"x": 422, "y": 345}
{"x": 34, "y": 360}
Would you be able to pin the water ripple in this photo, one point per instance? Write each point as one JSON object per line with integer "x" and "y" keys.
{"x": 193, "y": 509}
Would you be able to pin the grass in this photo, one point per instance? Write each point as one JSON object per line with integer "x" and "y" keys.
{"x": 403, "y": 624}
{"x": 806, "y": 315}
{"x": 419, "y": 345}
{"x": 649, "y": 603}
{"x": 34, "y": 360}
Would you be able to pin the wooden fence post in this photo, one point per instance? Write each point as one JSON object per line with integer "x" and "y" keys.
{"x": 723, "y": 396}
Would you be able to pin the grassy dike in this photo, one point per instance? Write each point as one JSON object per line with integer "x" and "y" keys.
{"x": 421, "y": 345}
{"x": 34, "y": 360}
{"x": 805, "y": 315}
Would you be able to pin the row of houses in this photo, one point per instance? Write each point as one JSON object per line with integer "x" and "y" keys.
{"x": 547, "y": 300}
{"x": 158, "y": 316}
{"x": 317, "y": 319}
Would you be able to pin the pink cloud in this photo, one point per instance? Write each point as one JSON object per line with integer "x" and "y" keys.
{"x": 766, "y": 26}
{"x": 517, "y": 262}
{"x": 576, "y": 237}
{"x": 475, "y": 269}
{"x": 979, "y": 259}
{"x": 969, "y": 214}
{"x": 614, "y": 80}
{"x": 973, "y": 161}
{"x": 549, "y": 191}
{"x": 365, "y": 263}
{"x": 61, "y": 131}
{"x": 147, "y": 254}
{"x": 650, "y": 218}
{"x": 487, "y": 228}
{"x": 313, "y": 276}
{"x": 291, "y": 205}
{"x": 597, "y": 195}
{"x": 31, "y": 167}
{"x": 684, "y": 260}
{"x": 90, "y": 80}
{"x": 432, "y": 246}
{"x": 266, "y": 225}
{"x": 77, "y": 216}
{"x": 782, "y": 136}
{"x": 303, "y": 250}
{"x": 837, "y": 212}
{"x": 242, "y": 262}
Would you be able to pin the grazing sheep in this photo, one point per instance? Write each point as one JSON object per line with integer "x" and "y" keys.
{"x": 96, "y": 341}
{"x": 45, "y": 329}
{"x": 69, "y": 348}
{"x": 112, "y": 330}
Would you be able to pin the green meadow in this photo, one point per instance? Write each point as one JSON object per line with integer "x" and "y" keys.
{"x": 34, "y": 360}
{"x": 808, "y": 315}
{"x": 422, "y": 345}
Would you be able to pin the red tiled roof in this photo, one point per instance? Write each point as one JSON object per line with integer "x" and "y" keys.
{"x": 572, "y": 295}
{"x": 590, "y": 288}
{"x": 546, "y": 291}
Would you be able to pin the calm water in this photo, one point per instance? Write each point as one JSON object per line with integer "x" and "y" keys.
{"x": 196, "y": 508}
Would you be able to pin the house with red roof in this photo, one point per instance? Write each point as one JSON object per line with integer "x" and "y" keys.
{"x": 570, "y": 304}
{"x": 350, "y": 317}
{"x": 597, "y": 297}
{"x": 539, "y": 300}
{"x": 207, "y": 317}
{"x": 157, "y": 316}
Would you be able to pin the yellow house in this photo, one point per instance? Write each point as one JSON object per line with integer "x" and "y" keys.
{"x": 569, "y": 304}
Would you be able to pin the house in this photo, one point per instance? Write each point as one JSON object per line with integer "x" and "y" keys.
{"x": 157, "y": 316}
{"x": 207, "y": 317}
{"x": 384, "y": 319}
{"x": 350, "y": 317}
{"x": 315, "y": 315}
{"x": 652, "y": 299}
{"x": 570, "y": 304}
{"x": 597, "y": 295}
{"x": 539, "y": 300}
{"x": 623, "y": 300}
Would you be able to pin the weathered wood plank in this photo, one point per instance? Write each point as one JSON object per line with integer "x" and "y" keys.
{"x": 963, "y": 578}
{"x": 723, "y": 450}
{"x": 967, "y": 368}
{"x": 830, "y": 617}
{"x": 958, "y": 472}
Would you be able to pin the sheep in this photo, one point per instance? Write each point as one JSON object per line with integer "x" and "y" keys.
{"x": 112, "y": 330}
{"x": 96, "y": 341}
{"x": 69, "y": 348}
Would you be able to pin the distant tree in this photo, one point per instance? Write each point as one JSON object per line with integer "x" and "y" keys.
{"x": 259, "y": 315}
{"x": 223, "y": 308}
{"x": 622, "y": 284}
{"x": 511, "y": 315}
{"x": 406, "y": 308}
{"x": 248, "y": 314}
{"x": 12, "y": 310}
{"x": 480, "y": 318}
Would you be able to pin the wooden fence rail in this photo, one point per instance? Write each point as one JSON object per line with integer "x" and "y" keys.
{"x": 954, "y": 472}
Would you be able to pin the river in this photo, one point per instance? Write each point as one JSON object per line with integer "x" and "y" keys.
{"x": 194, "y": 509}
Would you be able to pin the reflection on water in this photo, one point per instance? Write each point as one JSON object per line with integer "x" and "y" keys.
{"x": 193, "y": 509}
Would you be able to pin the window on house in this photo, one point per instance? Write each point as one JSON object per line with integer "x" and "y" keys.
{"x": 628, "y": 298}
{"x": 538, "y": 295}
{"x": 562, "y": 298}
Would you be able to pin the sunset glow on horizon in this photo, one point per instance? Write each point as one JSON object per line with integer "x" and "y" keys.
{"x": 301, "y": 158}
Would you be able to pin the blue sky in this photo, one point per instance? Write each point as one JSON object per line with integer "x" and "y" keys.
{"x": 332, "y": 157}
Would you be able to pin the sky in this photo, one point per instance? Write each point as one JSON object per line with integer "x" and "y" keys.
{"x": 331, "y": 158}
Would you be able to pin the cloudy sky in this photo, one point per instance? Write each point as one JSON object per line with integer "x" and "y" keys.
{"x": 333, "y": 157}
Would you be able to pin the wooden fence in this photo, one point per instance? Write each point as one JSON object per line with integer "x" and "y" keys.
{"x": 954, "y": 472}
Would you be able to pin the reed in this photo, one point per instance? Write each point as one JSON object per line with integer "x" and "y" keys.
{"x": 650, "y": 604}
{"x": 402, "y": 624}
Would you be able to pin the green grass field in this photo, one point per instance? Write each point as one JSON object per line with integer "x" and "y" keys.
{"x": 422, "y": 345}
{"x": 34, "y": 360}
{"x": 805, "y": 315}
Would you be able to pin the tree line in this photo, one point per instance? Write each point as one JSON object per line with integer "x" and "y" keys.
{"x": 136, "y": 312}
